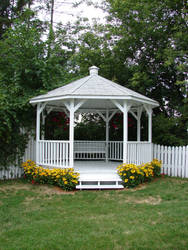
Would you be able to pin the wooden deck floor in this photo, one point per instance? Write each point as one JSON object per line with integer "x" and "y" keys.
{"x": 96, "y": 166}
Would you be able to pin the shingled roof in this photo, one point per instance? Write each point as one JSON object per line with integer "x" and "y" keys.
{"x": 92, "y": 87}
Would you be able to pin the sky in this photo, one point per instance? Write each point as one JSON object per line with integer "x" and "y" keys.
{"x": 65, "y": 12}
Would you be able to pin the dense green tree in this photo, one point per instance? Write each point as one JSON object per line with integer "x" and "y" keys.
{"x": 10, "y": 10}
{"x": 150, "y": 51}
{"x": 25, "y": 71}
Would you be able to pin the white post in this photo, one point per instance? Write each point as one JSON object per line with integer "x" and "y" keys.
{"x": 71, "y": 134}
{"x": 107, "y": 133}
{"x": 43, "y": 123}
{"x": 139, "y": 113}
{"x": 150, "y": 126}
{"x": 40, "y": 108}
{"x": 125, "y": 132}
{"x": 149, "y": 112}
{"x": 138, "y": 129}
{"x": 37, "y": 133}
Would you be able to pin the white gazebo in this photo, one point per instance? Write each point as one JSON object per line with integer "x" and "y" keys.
{"x": 94, "y": 94}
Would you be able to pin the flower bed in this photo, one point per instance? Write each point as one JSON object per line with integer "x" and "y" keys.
{"x": 65, "y": 178}
{"x": 132, "y": 175}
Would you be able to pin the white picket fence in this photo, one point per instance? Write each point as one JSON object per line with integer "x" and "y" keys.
{"x": 174, "y": 159}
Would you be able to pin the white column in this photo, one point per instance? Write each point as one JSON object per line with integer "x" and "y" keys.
{"x": 139, "y": 113}
{"x": 149, "y": 113}
{"x": 150, "y": 126}
{"x": 125, "y": 131}
{"x": 37, "y": 133}
{"x": 107, "y": 133}
{"x": 138, "y": 130}
{"x": 71, "y": 134}
{"x": 150, "y": 133}
{"x": 43, "y": 123}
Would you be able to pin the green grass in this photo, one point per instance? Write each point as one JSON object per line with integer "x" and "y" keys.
{"x": 154, "y": 216}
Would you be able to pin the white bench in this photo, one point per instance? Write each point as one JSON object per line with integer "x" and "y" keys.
{"x": 89, "y": 150}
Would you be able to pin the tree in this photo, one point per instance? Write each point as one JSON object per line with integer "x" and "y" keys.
{"x": 150, "y": 51}
{"x": 10, "y": 10}
{"x": 25, "y": 71}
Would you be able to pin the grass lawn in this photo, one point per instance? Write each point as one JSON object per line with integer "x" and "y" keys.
{"x": 153, "y": 216}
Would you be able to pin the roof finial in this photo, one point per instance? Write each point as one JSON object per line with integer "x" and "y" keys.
{"x": 93, "y": 70}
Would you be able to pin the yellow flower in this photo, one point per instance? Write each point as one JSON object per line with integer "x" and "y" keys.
{"x": 65, "y": 182}
{"x": 126, "y": 180}
{"x": 131, "y": 177}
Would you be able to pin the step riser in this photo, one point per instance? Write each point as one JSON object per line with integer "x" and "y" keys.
{"x": 99, "y": 187}
{"x": 95, "y": 184}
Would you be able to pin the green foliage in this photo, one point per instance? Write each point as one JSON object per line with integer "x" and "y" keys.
{"x": 166, "y": 131}
{"x": 25, "y": 71}
{"x": 92, "y": 127}
{"x": 152, "y": 41}
{"x": 9, "y": 11}
{"x": 57, "y": 126}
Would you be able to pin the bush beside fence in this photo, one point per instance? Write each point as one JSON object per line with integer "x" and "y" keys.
{"x": 14, "y": 172}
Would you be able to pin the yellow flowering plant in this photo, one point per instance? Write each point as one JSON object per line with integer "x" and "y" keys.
{"x": 156, "y": 167}
{"x": 66, "y": 178}
{"x": 132, "y": 175}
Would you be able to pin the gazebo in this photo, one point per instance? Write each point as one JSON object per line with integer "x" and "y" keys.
{"x": 94, "y": 94}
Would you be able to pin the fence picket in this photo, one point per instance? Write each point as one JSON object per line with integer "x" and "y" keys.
{"x": 183, "y": 162}
{"x": 169, "y": 154}
{"x": 186, "y": 162}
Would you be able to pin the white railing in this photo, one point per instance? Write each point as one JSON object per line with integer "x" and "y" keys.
{"x": 137, "y": 152}
{"x": 115, "y": 150}
{"x": 53, "y": 153}
{"x": 89, "y": 150}
{"x": 174, "y": 160}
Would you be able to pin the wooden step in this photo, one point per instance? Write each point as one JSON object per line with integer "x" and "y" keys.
{"x": 97, "y": 177}
{"x": 93, "y": 183}
{"x": 99, "y": 187}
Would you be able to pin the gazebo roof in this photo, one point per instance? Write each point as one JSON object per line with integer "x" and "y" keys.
{"x": 93, "y": 87}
